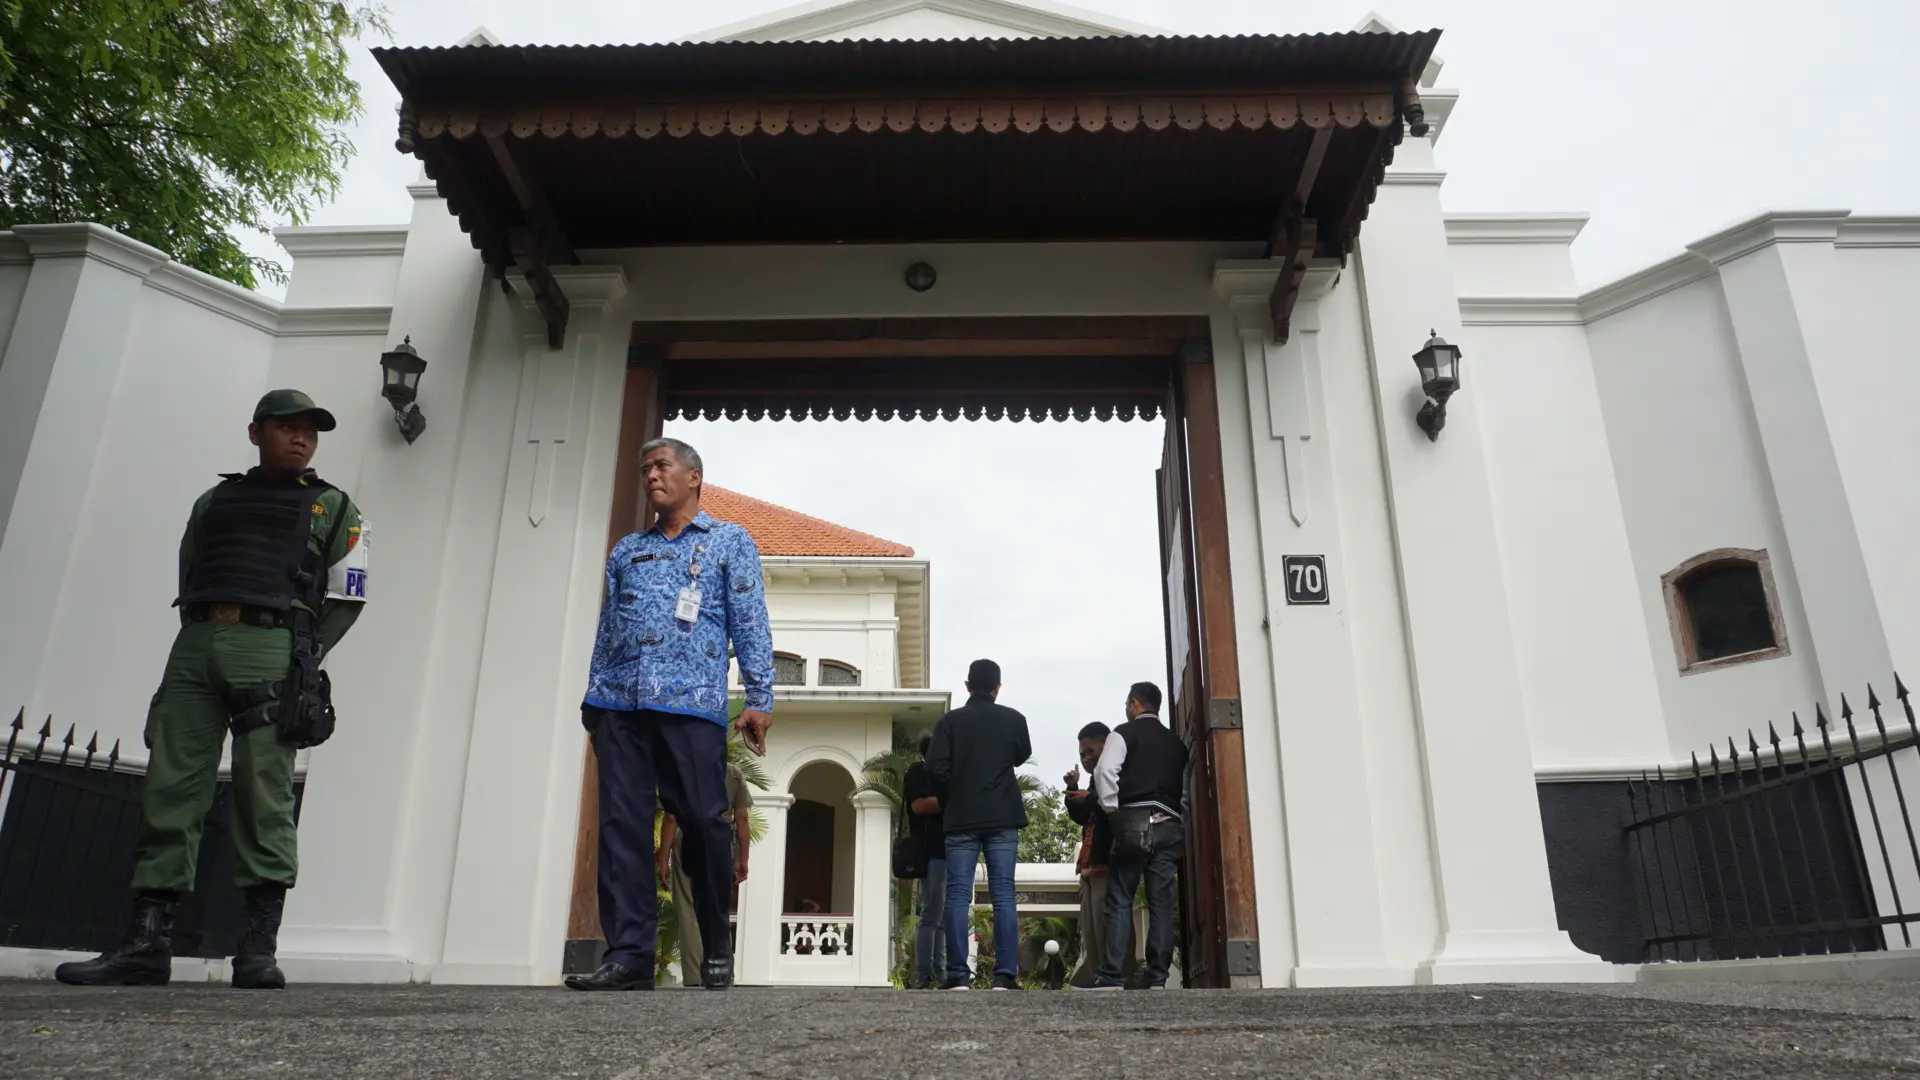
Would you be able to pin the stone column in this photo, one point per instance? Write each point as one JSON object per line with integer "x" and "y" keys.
{"x": 512, "y": 871}
{"x": 761, "y": 896}
{"x": 1305, "y": 658}
{"x": 1496, "y": 902}
{"x": 872, "y": 878}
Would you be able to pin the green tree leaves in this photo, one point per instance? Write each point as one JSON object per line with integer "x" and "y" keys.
{"x": 1050, "y": 835}
{"x": 177, "y": 121}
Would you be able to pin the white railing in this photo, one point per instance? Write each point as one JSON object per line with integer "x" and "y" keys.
{"x": 823, "y": 936}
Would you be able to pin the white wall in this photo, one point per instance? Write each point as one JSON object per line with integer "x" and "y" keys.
{"x": 1878, "y": 263}
{"x": 1587, "y": 671}
{"x": 1693, "y": 478}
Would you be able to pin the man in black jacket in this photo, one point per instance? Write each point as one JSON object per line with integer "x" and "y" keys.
{"x": 975, "y": 750}
{"x": 1141, "y": 782}
{"x": 1096, "y": 846}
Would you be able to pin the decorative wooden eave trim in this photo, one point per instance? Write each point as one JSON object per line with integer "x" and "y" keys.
{"x": 1315, "y": 109}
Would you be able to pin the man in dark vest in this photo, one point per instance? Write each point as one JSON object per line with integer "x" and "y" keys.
{"x": 1141, "y": 782}
{"x": 272, "y": 574}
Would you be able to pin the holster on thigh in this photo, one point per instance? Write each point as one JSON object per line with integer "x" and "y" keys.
{"x": 255, "y": 707}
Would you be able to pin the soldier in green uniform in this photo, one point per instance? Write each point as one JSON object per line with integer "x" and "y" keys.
{"x": 272, "y": 575}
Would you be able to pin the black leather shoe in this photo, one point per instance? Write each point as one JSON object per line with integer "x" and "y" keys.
{"x": 611, "y": 976}
{"x": 718, "y": 974}
{"x": 254, "y": 964}
{"x": 145, "y": 956}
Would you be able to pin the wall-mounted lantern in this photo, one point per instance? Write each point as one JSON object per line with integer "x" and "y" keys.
{"x": 400, "y": 371}
{"x": 1439, "y": 377}
{"x": 920, "y": 277}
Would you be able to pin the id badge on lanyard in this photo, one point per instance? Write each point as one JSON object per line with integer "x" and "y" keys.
{"x": 687, "y": 607}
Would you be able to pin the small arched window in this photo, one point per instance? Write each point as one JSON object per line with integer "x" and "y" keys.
{"x": 835, "y": 673}
{"x": 789, "y": 670}
{"x": 1723, "y": 610}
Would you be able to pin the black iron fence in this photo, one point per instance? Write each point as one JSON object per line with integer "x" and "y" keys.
{"x": 69, "y": 814}
{"x": 1763, "y": 853}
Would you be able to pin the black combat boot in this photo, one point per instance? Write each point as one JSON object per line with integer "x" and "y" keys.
{"x": 253, "y": 964}
{"x": 144, "y": 958}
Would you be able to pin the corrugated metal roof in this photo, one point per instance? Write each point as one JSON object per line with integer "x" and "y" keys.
{"x": 898, "y": 66}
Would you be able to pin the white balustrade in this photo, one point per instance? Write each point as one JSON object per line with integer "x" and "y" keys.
{"x": 817, "y": 936}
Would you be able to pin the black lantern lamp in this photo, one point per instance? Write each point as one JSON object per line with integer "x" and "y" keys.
{"x": 400, "y": 371}
{"x": 1439, "y": 377}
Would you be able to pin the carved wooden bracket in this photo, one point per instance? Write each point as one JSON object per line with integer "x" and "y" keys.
{"x": 1408, "y": 102}
{"x": 537, "y": 245}
{"x": 1295, "y": 238}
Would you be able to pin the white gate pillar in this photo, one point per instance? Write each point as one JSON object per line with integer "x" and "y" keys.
{"x": 1496, "y": 901}
{"x": 1306, "y": 660}
{"x": 872, "y": 886}
{"x": 757, "y": 939}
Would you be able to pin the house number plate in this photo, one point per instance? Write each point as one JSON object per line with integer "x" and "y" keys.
{"x": 1306, "y": 579}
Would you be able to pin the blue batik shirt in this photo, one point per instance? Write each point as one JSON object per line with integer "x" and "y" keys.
{"x": 645, "y": 657}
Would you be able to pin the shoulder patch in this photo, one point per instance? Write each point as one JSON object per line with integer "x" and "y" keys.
{"x": 318, "y": 509}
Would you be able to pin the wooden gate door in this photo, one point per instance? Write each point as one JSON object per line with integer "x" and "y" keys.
{"x": 642, "y": 416}
{"x": 1219, "y": 924}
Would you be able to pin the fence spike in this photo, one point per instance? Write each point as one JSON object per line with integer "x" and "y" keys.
{"x": 1733, "y": 754}
{"x": 1873, "y": 704}
{"x": 113, "y": 756}
{"x": 1773, "y": 736}
{"x": 1713, "y": 758}
{"x": 1846, "y": 710}
{"x": 72, "y": 730}
{"x": 1798, "y": 731}
{"x": 1696, "y": 766}
{"x": 1753, "y": 744}
{"x": 1820, "y": 717}
{"x": 46, "y": 729}
{"x": 1873, "y": 700}
{"x": 1899, "y": 688}
{"x": 19, "y": 719}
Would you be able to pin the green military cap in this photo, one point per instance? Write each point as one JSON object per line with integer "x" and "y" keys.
{"x": 293, "y": 403}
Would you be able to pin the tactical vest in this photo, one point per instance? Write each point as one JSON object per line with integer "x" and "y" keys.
{"x": 250, "y": 546}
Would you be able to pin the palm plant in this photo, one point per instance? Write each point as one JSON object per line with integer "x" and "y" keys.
{"x": 886, "y": 773}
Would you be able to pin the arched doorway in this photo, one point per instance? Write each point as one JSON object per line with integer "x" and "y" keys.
{"x": 820, "y": 843}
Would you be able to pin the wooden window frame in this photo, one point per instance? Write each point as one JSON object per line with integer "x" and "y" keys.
{"x": 842, "y": 665}
{"x": 1680, "y": 621}
{"x": 778, "y": 656}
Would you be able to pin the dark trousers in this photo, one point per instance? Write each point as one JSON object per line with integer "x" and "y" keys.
{"x": 684, "y": 758}
{"x": 1123, "y": 876}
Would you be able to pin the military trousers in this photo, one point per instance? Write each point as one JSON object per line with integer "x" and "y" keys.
{"x": 208, "y": 670}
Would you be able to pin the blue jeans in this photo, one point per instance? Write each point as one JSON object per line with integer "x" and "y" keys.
{"x": 1160, "y": 865}
{"x": 963, "y": 854}
{"x": 930, "y": 939}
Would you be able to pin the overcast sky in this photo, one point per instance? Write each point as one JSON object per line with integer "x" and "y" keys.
{"x": 1665, "y": 120}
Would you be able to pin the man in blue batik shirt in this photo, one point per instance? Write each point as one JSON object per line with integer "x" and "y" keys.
{"x": 656, "y": 706}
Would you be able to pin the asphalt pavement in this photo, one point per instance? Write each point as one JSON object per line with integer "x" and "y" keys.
{"x": 1538, "y": 1033}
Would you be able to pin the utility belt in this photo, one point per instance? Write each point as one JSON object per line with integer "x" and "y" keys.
{"x": 240, "y": 615}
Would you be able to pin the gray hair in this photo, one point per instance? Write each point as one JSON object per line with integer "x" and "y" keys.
{"x": 684, "y": 454}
